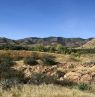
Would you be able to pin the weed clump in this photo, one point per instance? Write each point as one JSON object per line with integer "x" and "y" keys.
{"x": 30, "y": 61}
{"x": 40, "y": 78}
{"x": 49, "y": 60}
{"x": 84, "y": 86}
{"x": 8, "y": 83}
{"x": 6, "y": 63}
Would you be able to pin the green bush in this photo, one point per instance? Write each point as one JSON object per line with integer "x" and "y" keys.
{"x": 65, "y": 82}
{"x": 40, "y": 78}
{"x": 6, "y": 63}
{"x": 60, "y": 73}
{"x": 12, "y": 73}
{"x": 30, "y": 61}
{"x": 84, "y": 86}
{"x": 49, "y": 60}
{"x": 8, "y": 83}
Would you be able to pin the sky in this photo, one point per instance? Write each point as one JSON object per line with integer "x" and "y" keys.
{"x": 44, "y": 18}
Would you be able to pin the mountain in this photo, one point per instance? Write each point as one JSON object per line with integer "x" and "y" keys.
{"x": 4, "y": 41}
{"x": 89, "y": 44}
{"x": 69, "y": 42}
{"x": 41, "y": 41}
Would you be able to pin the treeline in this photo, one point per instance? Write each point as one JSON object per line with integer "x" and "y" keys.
{"x": 52, "y": 49}
{"x": 13, "y": 47}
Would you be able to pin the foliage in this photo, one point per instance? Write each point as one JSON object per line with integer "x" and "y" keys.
{"x": 40, "y": 78}
{"x": 6, "y": 63}
{"x": 84, "y": 86}
{"x": 30, "y": 61}
{"x": 61, "y": 49}
{"x": 65, "y": 82}
{"x": 60, "y": 73}
{"x": 13, "y": 47}
{"x": 52, "y": 49}
{"x": 49, "y": 60}
{"x": 8, "y": 83}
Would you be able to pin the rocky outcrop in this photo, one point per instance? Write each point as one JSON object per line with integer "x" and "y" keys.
{"x": 85, "y": 75}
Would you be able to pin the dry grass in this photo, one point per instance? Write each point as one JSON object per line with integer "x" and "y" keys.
{"x": 59, "y": 57}
{"x": 22, "y": 54}
{"x": 87, "y": 58}
{"x": 44, "y": 91}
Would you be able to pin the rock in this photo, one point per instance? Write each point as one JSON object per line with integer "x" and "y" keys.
{"x": 61, "y": 79}
{"x": 86, "y": 78}
{"x": 73, "y": 76}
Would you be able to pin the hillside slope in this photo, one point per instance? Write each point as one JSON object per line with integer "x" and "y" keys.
{"x": 89, "y": 44}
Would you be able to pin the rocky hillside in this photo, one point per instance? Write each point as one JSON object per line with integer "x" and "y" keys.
{"x": 90, "y": 44}
{"x": 69, "y": 42}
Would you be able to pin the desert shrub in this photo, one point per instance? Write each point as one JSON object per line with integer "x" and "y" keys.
{"x": 30, "y": 61}
{"x": 40, "y": 78}
{"x": 6, "y": 63}
{"x": 51, "y": 49}
{"x": 49, "y": 60}
{"x": 12, "y": 73}
{"x": 84, "y": 86}
{"x": 8, "y": 83}
{"x": 15, "y": 73}
{"x": 13, "y": 47}
{"x": 62, "y": 49}
{"x": 38, "y": 48}
{"x": 90, "y": 64}
{"x": 60, "y": 73}
{"x": 66, "y": 83}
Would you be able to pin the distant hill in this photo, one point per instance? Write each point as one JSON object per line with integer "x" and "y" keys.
{"x": 89, "y": 44}
{"x": 69, "y": 42}
{"x": 4, "y": 41}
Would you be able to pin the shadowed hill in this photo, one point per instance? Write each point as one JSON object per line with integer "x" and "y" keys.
{"x": 4, "y": 41}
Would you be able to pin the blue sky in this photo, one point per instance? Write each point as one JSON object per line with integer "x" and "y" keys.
{"x": 43, "y": 18}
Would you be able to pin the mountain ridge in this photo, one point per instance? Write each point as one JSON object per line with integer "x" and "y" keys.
{"x": 69, "y": 42}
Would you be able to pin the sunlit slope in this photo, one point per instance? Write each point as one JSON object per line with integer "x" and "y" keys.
{"x": 89, "y": 44}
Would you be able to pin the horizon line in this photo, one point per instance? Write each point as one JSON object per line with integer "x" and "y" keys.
{"x": 46, "y": 37}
